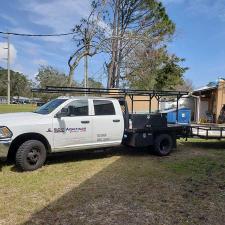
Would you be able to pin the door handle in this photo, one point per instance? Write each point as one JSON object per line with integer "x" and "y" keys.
{"x": 85, "y": 122}
{"x": 116, "y": 121}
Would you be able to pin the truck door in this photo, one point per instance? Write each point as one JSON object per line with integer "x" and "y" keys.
{"x": 74, "y": 129}
{"x": 108, "y": 124}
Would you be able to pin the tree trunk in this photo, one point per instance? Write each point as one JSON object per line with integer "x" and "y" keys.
{"x": 110, "y": 72}
{"x": 71, "y": 74}
{"x": 118, "y": 44}
{"x": 112, "y": 65}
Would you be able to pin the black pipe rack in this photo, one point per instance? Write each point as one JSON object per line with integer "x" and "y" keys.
{"x": 116, "y": 93}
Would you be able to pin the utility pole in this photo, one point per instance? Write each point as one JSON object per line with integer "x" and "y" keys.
{"x": 8, "y": 68}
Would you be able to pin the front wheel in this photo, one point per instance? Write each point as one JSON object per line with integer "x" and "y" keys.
{"x": 31, "y": 155}
{"x": 163, "y": 144}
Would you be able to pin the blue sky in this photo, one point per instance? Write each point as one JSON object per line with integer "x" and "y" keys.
{"x": 200, "y": 35}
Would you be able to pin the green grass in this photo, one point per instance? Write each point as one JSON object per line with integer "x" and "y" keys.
{"x": 120, "y": 186}
{"x": 198, "y": 167}
{"x": 4, "y": 108}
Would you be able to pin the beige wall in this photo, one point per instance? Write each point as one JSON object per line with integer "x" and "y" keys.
{"x": 140, "y": 107}
{"x": 204, "y": 106}
{"x": 220, "y": 98}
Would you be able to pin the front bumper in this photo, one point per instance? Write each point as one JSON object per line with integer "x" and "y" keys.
{"x": 4, "y": 147}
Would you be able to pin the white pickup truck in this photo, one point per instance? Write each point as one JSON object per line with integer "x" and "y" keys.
{"x": 74, "y": 123}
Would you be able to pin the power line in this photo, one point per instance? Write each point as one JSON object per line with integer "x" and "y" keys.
{"x": 36, "y": 35}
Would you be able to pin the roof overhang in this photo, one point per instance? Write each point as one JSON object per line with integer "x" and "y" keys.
{"x": 203, "y": 90}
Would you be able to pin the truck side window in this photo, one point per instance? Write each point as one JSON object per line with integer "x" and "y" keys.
{"x": 78, "y": 108}
{"x": 103, "y": 107}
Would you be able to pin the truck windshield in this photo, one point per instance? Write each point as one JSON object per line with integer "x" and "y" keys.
{"x": 50, "y": 106}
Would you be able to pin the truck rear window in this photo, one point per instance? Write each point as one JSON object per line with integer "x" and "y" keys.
{"x": 104, "y": 107}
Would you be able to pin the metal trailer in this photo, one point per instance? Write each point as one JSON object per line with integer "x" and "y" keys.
{"x": 207, "y": 131}
{"x": 141, "y": 130}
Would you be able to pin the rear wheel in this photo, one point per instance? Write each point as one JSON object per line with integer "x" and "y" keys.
{"x": 31, "y": 155}
{"x": 163, "y": 144}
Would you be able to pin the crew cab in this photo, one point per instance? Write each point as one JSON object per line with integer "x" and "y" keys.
{"x": 75, "y": 123}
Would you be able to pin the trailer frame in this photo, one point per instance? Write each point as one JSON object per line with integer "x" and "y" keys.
{"x": 203, "y": 131}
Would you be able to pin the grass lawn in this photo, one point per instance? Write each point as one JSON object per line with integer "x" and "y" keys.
{"x": 119, "y": 186}
{"x": 4, "y": 108}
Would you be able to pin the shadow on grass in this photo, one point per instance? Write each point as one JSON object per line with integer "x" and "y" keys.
{"x": 95, "y": 154}
{"x": 131, "y": 190}
{"x": 73, "y": 156}
{"x": 105, "y": 198}
{"x": 205, "y": 144}
{"x": 3, "y": 163}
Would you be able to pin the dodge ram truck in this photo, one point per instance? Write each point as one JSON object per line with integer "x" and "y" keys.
{"x": 75, "y": 123}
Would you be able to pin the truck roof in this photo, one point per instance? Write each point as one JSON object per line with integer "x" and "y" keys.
{"x": 84, "y": 97}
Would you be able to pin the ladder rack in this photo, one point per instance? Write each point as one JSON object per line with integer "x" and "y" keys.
{"x": 108, "y": 91}
{"x": 158, "y": 95}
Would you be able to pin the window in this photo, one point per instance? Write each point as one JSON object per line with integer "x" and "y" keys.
{"x": 103, "y": 107}
{"x": 50, "y": 106}
{"x": 78, "y": 108}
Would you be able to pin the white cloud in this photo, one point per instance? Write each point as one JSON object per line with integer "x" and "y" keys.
{"x": 58, "y": 15}
{"x": 26, "y": 70}
{"x": 209, "y": 8}
{"x": 18, "y": 68}
{"x": 3, "y": 52}
{"x": 10, "y": 19}
{"x": 40, "y": 62}
{"x": 167, "y": 2}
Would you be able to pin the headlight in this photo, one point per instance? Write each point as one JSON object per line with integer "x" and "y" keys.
{"x": 5, "y": 132}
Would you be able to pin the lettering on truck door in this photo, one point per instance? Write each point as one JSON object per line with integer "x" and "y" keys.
{"x": 75, "y": 129}
{"x": 108, "y": 125}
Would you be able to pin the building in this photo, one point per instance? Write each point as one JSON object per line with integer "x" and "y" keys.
{"x": 211, "y": 101}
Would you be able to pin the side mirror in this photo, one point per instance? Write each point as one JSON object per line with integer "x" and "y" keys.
{"x": 64, "y": 112}
{"x": 71, "y": 110}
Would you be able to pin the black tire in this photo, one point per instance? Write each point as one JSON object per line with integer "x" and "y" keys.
{"x": 31, "y": 155}
{"x": 163, "y": 144}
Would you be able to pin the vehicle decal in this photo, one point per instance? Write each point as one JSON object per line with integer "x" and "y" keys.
{"x": 101, "y": 135}
{"x": 102, "y": 138}
{"x": 79, "y": 129}
{"x": 70, "y": 130}
{"x": 59, "y": 130}
{"x": 49, "y": 130}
